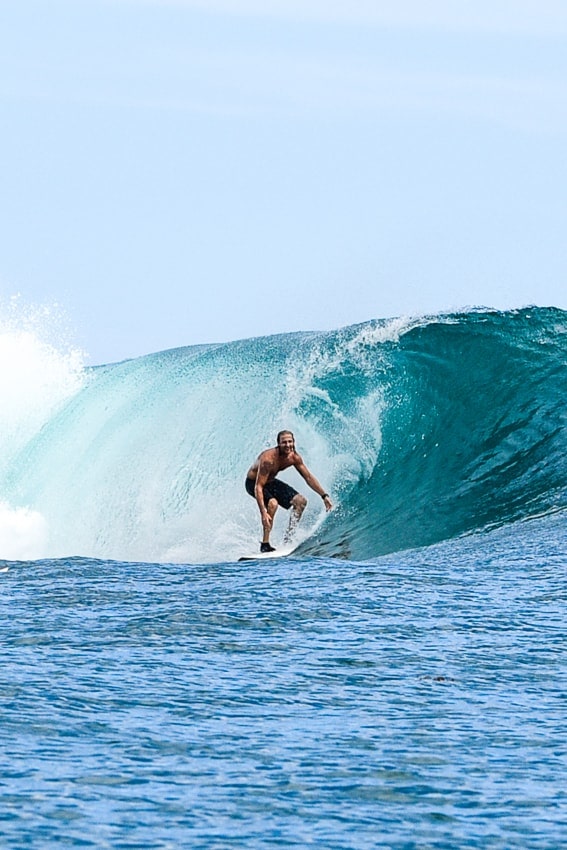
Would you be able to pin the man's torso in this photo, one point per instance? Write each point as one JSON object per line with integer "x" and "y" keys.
{"x": 272, "y": 462}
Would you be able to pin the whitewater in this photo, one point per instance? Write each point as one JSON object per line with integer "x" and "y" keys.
{"x": 399, "y": 682}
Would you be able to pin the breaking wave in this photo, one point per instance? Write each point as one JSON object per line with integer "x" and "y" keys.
{"x": 423, "y": 430}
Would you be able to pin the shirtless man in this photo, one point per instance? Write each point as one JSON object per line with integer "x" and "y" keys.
{"x": 269, "y": 491}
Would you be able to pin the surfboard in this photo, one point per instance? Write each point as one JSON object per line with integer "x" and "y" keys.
{"x": 280, "y": 552}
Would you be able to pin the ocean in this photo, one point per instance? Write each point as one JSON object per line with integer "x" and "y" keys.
{"x": 399, "y": 682}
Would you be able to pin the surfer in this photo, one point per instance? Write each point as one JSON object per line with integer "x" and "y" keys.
{"x": 269, "y": 491}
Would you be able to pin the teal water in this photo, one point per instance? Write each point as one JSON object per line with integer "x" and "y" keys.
{"x": 400, "y": 682}
{"x": 421, "y": 429}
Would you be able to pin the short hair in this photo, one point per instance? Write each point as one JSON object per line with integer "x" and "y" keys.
{"x": 281, "y": 433}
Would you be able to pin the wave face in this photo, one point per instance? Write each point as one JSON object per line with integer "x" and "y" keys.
{"x": 423, "y": 430}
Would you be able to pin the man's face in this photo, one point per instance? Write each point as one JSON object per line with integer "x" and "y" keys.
{"x": 286, "y": 444}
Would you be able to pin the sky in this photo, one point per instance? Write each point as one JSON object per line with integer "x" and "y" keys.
{"x": 177, "y": 172}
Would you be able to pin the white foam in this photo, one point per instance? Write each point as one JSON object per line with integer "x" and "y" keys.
{"x": 35, "y": 375}
{"x": 23, "y": 533}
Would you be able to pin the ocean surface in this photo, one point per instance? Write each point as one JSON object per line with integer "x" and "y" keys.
{"x": 399, "y": 682}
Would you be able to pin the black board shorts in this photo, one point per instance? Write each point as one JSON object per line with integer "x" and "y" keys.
{"x": 274, "y": 489}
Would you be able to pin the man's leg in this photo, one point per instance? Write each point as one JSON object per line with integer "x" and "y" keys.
{"x": 271, "y": 509}
{"x": 298, "y": 504}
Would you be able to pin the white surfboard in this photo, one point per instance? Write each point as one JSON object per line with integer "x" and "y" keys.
{"x": 279, "y": 552}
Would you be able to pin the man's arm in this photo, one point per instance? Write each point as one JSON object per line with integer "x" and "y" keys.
{"x": 313, "y": 483}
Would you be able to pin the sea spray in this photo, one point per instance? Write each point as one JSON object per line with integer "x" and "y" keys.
{"x": 37, "y": 377}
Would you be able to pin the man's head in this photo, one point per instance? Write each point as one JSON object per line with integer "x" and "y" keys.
{"x": 286, "y": 442}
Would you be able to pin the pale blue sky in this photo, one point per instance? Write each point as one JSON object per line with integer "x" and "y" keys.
{"x": 177, "y": 172}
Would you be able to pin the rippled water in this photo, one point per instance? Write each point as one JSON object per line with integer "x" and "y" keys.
{"x": 417, "y": 701}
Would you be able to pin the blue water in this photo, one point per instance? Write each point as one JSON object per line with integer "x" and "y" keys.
{"x": 401, "y": 682}
{"x": 415, "y": 701}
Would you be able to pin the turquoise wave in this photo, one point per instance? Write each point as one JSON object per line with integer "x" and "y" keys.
{"x": 473, "y": 430}
{"x": 422, "y": 429}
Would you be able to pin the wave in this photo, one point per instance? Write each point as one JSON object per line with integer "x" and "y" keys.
{"x": 423, "y": 429}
